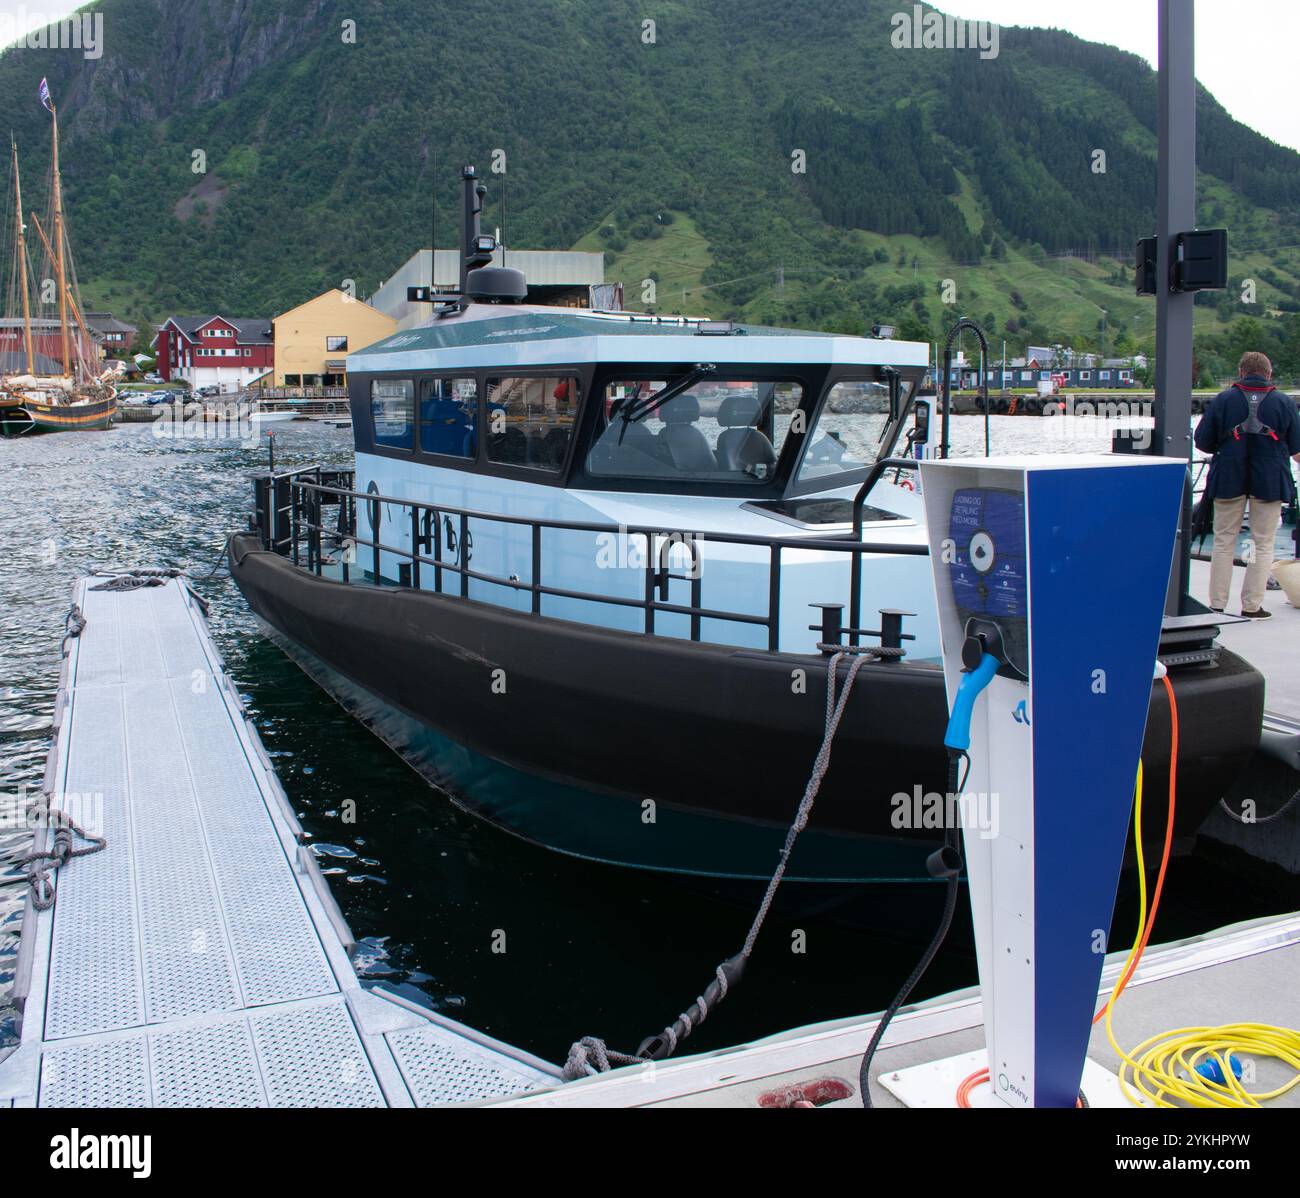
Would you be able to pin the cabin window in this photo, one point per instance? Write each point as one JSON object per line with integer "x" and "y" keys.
{"x": 392, "y": 409}
{"x": 530, "y": 420}
{"x": 335, "y": 345}
{"x": 718, "y": 430}
{"x": 850, "y": 430}
{"x": 449, "y": 417}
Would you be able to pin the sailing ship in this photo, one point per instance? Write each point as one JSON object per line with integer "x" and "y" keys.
{"x": 51, "y": 378}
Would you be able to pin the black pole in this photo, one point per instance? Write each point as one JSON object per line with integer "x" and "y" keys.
{"x": 947, "y": 402}
{"x": 1175, "y": 213}
{"x": 956, "y": 331}
{"x": 469, "y": 220}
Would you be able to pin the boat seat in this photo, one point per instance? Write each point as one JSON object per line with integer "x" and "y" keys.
{"x": 628, "y": 449}
{"x": 550, "y": 448}
{"x": 687, "y": 448}
{"x": 447, "y": 428}
{"x": 509, "y": 448}
{"x": 742, "y": 446}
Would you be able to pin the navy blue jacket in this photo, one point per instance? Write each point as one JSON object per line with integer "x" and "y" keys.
{"x": 1254, "y": 465}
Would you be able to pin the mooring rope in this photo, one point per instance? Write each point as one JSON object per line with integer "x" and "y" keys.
{"x": 74, "y": 624}
{"x": 834, "y": 713}
{"x": 40, "y": 876}
{"x": 1263, "y": 819}
{"x": 134, "y": 580}
{"x": 221, "y": 560}
{"x": 592, "y": 1055}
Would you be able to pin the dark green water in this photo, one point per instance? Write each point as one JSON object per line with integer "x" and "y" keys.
{"x": 589, "y": 949}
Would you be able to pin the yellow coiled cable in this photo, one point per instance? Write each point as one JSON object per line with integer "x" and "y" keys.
{"x": 1163, "y": 1067}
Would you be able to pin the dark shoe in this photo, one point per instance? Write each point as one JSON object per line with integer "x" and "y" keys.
{"x": 1258, "y": 614}
{"x": 1217, "y": 609}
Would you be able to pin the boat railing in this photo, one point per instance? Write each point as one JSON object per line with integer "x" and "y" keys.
{"x": 265, "y": 393}
{"x": 292, "y": 521}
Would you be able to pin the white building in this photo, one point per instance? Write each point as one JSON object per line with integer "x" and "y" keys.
{"x": 561, "y": 277}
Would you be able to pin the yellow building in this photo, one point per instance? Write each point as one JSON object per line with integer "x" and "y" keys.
{"x": 312, "y": 341}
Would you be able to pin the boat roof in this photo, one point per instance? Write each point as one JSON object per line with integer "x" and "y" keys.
{"x": 530, "y": 335}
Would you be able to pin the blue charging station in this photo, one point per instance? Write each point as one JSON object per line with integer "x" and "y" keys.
{"x": 1050, "y": 578}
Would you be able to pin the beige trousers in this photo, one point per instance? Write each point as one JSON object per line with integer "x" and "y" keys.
{"x": 1265, "y": 518}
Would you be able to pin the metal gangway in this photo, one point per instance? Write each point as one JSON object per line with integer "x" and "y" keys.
{"x": 199, "y": 959}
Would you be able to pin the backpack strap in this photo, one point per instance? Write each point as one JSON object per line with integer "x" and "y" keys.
{"x": 1252, "y": 425}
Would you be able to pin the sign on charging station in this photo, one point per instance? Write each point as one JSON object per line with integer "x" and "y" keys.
{"x": 1058, "y": 567}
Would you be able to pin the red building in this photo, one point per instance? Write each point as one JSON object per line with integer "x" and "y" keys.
{"x": 223, "y": 351}
{"x": 47, "y": 345}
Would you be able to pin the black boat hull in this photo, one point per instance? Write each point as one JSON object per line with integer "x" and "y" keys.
{"x": 33, "y": 416}
{"x": 665, "y": 754}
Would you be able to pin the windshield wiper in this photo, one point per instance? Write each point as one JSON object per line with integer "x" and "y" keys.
{"x": 670, "y": 391}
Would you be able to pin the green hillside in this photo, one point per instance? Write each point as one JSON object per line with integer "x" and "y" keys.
{"x": 928, "y": 174}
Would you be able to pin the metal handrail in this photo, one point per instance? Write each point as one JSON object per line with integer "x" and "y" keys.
{"x": 837, "y": 545}
{"x": 306, "y": 491}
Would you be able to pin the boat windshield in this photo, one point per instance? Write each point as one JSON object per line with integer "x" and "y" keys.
{"x": 717, "y": 430}
{"x": 850, "y": 432}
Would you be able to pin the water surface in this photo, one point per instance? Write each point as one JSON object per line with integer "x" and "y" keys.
{"x": 590, "y": 949}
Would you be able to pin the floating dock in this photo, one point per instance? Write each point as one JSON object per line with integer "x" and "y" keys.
{"x": 1272, "y": 646}
{"x": 199, "y": 959}
{"x": 1246, "y": 972}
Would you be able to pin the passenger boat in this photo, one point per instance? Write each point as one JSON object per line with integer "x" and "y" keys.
{"x": 592, "y": 569}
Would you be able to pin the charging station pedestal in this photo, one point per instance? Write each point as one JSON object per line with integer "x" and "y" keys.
{"x": 1058, "y": 565}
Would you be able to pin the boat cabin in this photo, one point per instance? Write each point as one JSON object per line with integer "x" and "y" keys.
{"x": 698, "y": 428}
{"x": 680, "y": 477}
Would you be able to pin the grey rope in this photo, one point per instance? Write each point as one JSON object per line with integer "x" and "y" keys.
{"x": 221, "y": 559}
{"x": 834, "y": 713}
{"x": 160, "y": 572}
{"x": 42, "y": 865}
{"x": 74, "y": 624}
{"x": 591, "y": 1055}
{"x": 1267, "y": 819}
{"x": 130, "y": 582}
{"x": 134, "y": 580}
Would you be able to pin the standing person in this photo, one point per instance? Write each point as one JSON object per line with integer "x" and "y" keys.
{"x": 1252, "y": 430}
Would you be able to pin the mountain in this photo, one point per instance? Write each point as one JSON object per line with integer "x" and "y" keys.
{"x": 245, "y": 155}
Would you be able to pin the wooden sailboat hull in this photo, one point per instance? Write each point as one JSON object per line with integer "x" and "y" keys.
{"x": 53, "y": 418}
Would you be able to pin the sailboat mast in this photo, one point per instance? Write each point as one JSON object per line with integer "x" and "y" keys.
{"x": 58, "y": 249}
{"x": 22, "y": 263}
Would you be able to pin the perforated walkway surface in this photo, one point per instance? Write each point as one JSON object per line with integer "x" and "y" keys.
{"x": 199, "y": 960}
